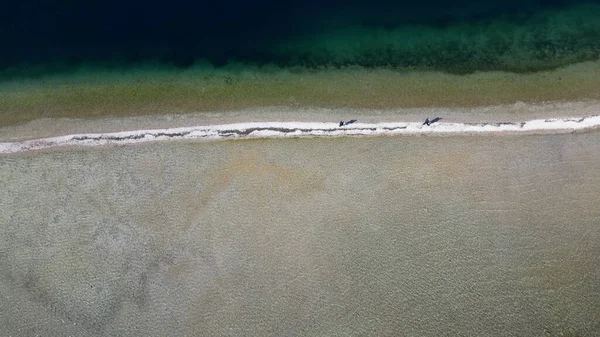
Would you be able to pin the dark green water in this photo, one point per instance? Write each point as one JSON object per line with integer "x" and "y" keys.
{"x": 464, "y": 36}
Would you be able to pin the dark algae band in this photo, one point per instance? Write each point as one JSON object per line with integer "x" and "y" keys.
{"x": 451, "y": 36}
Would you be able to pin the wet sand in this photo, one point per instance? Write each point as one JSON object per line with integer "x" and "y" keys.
{"x": 422, "y": 236}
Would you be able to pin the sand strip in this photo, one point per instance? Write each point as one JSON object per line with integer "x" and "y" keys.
{"x": 303, "y": 129}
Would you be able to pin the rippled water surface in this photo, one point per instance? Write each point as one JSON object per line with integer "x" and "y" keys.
{"x": 422, "y": 236}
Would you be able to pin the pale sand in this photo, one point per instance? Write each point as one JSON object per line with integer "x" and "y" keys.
{"x": 517, "y": 112}
{"x": 257, "y": 130}
{"x": 389, "y": 236}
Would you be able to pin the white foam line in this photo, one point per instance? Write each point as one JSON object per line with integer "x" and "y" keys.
{"x": 296, "y": 129}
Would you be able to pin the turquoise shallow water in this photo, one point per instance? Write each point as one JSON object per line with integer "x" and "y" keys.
{"x": 373, "y": 236}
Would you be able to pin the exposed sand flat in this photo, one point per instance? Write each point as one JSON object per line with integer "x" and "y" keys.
{"x": 516, "y": 112}
{"x": 305, "y": 129}
{"x": 420, "y": 236}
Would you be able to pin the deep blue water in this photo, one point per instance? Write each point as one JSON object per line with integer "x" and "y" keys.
{"x": 43, "y": 36}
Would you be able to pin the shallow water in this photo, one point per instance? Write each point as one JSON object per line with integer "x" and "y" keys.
{"x": 362, "y": 236}
{"x": 234, "y": 92}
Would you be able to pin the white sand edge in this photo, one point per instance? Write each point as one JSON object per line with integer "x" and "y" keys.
{"x": 300, "y": 129}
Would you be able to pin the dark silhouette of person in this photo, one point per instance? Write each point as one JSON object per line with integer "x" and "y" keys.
{"x": 429, "y": 122}
{"x": 342, "y": 123}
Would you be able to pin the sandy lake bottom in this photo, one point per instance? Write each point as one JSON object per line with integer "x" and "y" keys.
{"x": 419, "y": 236}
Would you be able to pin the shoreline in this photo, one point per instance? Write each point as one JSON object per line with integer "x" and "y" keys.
{"x": 516, "y": 112}
{"x": 297, "y": 129}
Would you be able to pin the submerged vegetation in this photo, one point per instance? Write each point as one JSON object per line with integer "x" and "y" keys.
{"x": 543, "y": 40}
